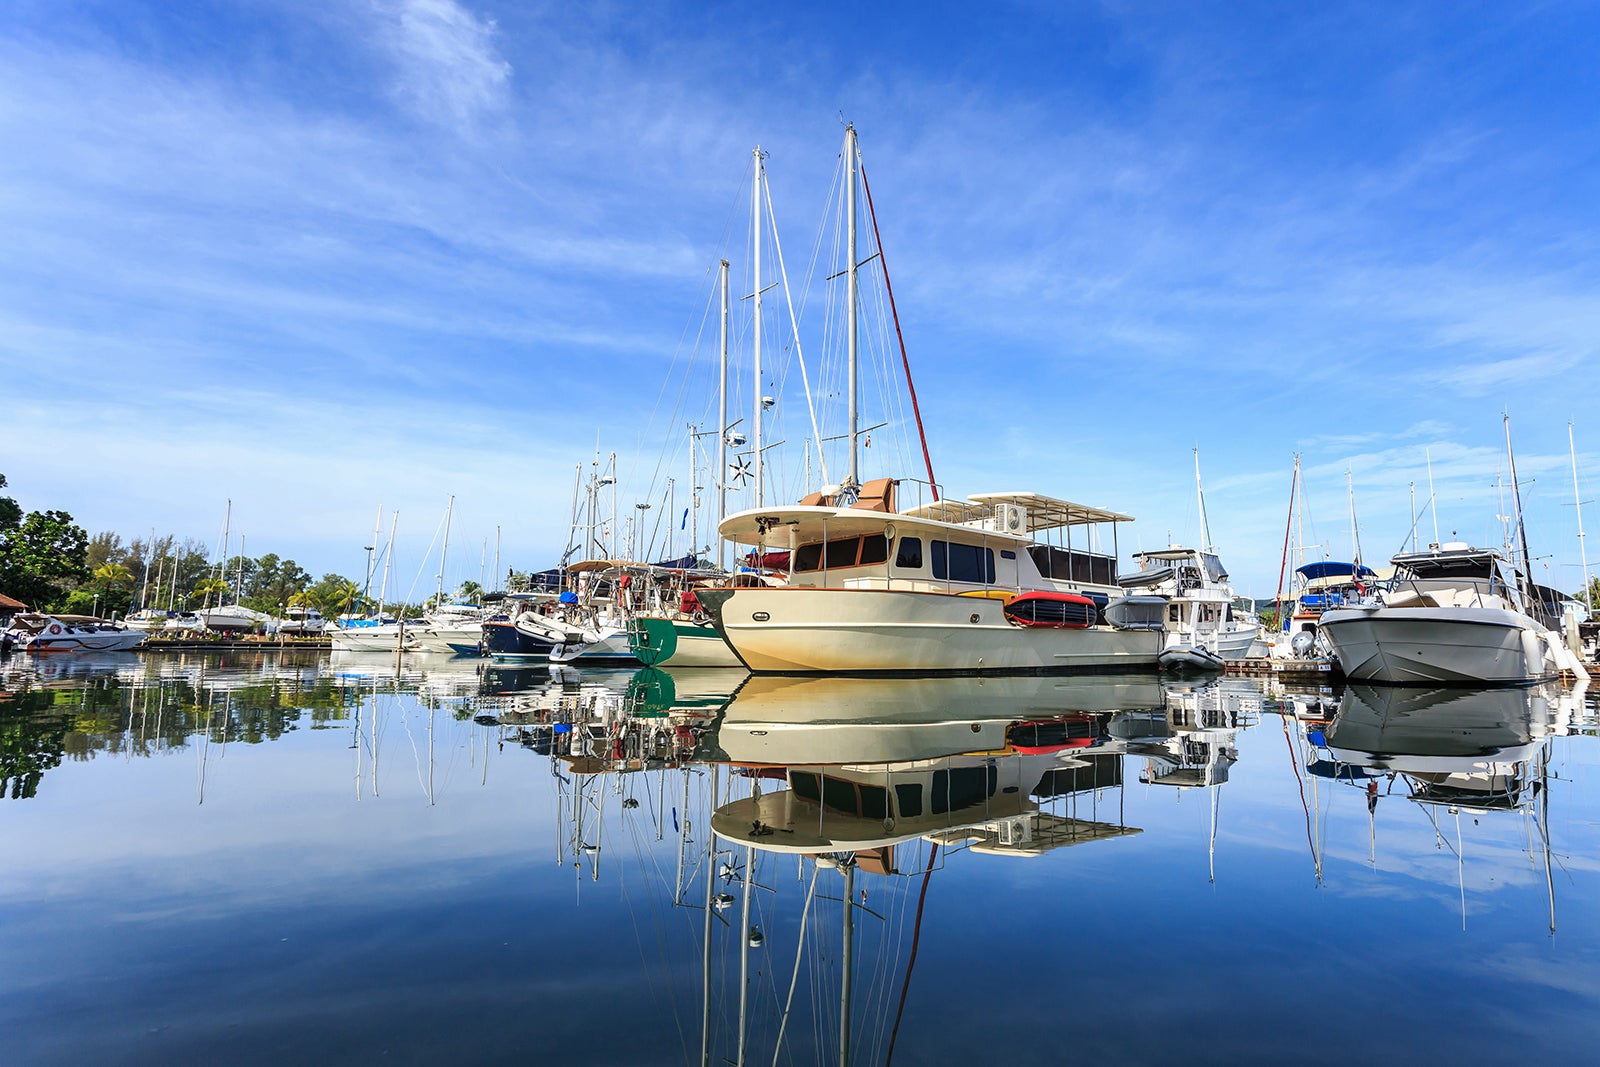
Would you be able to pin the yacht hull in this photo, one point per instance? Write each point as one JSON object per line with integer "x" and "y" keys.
{"x": 1430, "y": 646}
{"x": 386, "y": 638}
{"x": 95, "y": 641}
{"x": 805, "y": 631}
{"x": 661, "y": 642}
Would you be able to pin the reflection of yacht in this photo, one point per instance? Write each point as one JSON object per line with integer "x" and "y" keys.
{"x": 1201, "y": 746}
{"x": 1443, "y": 730}
{"x": 1452, "y": 614}
{"x": 775, "y": 720}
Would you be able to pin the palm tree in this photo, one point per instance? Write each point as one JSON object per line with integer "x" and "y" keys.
{"x": 206, "y": 587}
{"x": 113, "y": 575}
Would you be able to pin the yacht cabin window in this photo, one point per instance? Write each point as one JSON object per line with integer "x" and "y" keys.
{"x": 956, "y": 562}
{"x": 908, "y": 553}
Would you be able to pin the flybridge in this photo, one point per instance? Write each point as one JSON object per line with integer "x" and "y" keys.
{"x": 1020, "y": 512}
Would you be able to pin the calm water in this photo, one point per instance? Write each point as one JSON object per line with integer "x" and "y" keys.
{"x": 255, "y": 858}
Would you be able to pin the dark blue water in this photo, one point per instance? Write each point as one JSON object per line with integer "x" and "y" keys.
{"x": 262, "y": 859}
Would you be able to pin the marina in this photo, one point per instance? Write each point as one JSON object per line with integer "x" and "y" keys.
{"x": 514, "y": 549}
{"x": 335, "y": 857}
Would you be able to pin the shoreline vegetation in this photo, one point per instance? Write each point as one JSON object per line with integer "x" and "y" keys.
{"x": 51, "y": 564}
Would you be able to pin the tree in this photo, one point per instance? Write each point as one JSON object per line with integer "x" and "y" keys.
{"x": 335, "y": 595}
{"x": 470, "y": 591}
{"x": 274, "y": 583}
{"x": 206, "y": 588}
{"x": 42, "y": 554}
{"x": 112, "y": 584}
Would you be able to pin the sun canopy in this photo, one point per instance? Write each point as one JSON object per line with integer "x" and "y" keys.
{"x": 1331, "y": 569}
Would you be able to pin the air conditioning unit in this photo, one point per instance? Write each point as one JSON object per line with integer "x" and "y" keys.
{"x": 1008, "y": 518}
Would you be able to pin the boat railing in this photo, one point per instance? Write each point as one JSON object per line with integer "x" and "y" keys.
{"x": 926, "y": 492}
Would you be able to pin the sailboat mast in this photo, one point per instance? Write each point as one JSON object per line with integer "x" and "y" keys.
{"x": 1355, "y": 541}
{"x": 722, "y": 419}
{"x": 1433, "y": 501}
{"x": 851, "y": 301}
{"x": 388, "y": 559}
{"x": 377, "y": 530}
{"x": 1577, "y": 502}
{"x": 755, "y": 222}
{"x": 1200, "y": 496}
{"x": 1516, "y": 503}
{"x": 438, "y": 600}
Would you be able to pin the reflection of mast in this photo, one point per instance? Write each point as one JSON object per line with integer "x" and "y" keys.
{"x": 845, "y": 959}
{"x": 705, "y": 956}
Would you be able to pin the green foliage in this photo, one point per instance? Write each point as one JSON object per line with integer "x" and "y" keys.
{"x": 42, "y": 553}
{"x": 274, "y": 583}
{"x": 335, "y": 595}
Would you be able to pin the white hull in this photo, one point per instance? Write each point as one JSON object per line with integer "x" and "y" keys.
{"x": 806, "y": 630}
{"x": 834, "y": 720}
{"x": 385, "y": 638}
{"x": 95, "y": 641}
{"x": 614, "y": 647}
{"x": 702, "y": 650}
{"x": 1444, "y": 645}
{"x": 231, "y": 620}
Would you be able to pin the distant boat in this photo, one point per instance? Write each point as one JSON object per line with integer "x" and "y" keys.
{"x": 302, "y": 621}
{"x": 233, "y": 619}
{"x": 1200, "y": 611}
{"x": 73, "y": 633}
{"x": 381, "y": 633}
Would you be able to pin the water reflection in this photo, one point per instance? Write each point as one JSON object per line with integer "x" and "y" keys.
{"x": 772, "y": 856}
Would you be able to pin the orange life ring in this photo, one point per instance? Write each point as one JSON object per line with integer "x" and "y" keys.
{"x": 55, "y": 627}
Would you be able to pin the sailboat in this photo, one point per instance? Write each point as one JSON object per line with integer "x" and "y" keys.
{"x": 941, "y": 586}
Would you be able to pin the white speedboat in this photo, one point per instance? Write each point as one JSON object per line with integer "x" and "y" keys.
{"x": 956, "y": 585}
{"x": 1452, "y": 614}
{"x": 379, "y": 634}
{"x": 73, "y": 633}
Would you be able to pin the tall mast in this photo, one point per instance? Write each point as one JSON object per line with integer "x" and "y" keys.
{"x": 1200, "y": 495}
{"x": 1433, "y": 501}
{"x": 1355, "y": 540}
{"x": 1516, "y": 503}
{"x": 853, "y": 481}
{"x": 1577, "y": 502}
{"x": 438, "y": 601}
{"x": 755, "y": 221}
{"x": 388, "y": 560}
{"x": 377, "y": 530}
{"x": 722, "y": 419}
{"x": 497, "y": 556}
{"x": 150, "y": 544}
{"x": 694, "y": 499}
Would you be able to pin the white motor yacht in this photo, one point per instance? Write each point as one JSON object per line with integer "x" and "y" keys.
{"x": 955, "y": 585}
{"x": 1451, "y": 614}
{"x": 1200, "y": 602}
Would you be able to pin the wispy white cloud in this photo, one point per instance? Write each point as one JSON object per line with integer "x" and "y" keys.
{"x": 450, "y": 67}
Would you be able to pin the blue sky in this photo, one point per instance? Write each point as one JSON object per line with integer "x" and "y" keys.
{"x": 318, "y": 257}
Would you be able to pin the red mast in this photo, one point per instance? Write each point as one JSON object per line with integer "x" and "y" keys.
{"x": 915, "y": 409}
